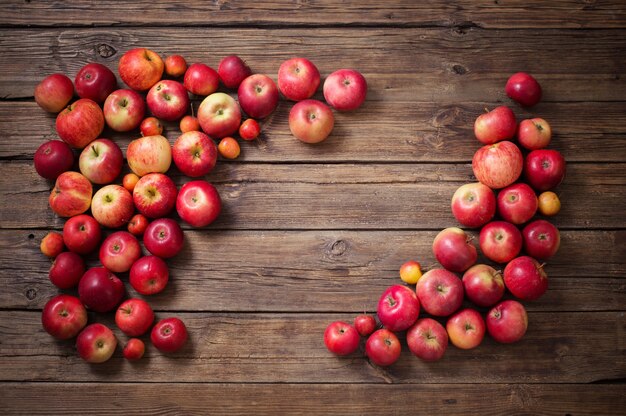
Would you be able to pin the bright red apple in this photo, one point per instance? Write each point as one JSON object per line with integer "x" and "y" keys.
{"x": 138, "y": 224}
{"x": 466, "y": 329}
{"x": 364, "y": 324}
{"x": 534, "y": 134}
{"x": 523, "y": 88}
{"x": 54, "y": 92}
{"x": 96, "y": 343}
{"x": 124, "y": 110}
{"x": 53, "y": 158}
{"x": 525, "y": 278}
{"x": 398, "y": 308}
{"x": 169, "y": 335}
{"x": 496, "y": 125}
{"x": 175, "y": 66}
{"x": 134, "y": 317}
{"x": 311, "y": 121}
{"x": 541, "y": 239}
{"x": 345, "y": 89}
{"x": 66, "y": 270}
{"x": 340, "y": 338}
{"x": 383, "y": 348}
{"x": 134, "y": 349}
{"x": 298, "y": 79}
{"x": 507, "y": 322}
{"x": 95, "y": 81}
{"x": 498, "y": 165}
{"x": 544, "y": 169}
{"x": 194, "y": 154}
{"x": 258, "y": 96}
{"x": 232, "y": 71}
{"x": 517, "y": 203}
{"x": 119, "y": 251}
{"x": 155, "y": 195}
{"x": 64, "y": 316}
{"x": 149, "y": 275}
{"x": 427, "y": 339}
{"x": 201, "y": 79}
{"x": 163, "y": 238}
{"x": 249, "y": 129}
{"x": 473, "y": 204}
{"x": 440, "y": 292}
{"x": 198, "y": 203}
{"x": 454, "y": 249}
{"x": 483, "y": 285}
{"x": 101, "y": 161}
{"x": 82, "y": 234}
{"x": 141, "y": 68}
{"x": 80, "y": 123}
{"x": 168, "y": 100}
{"x": 500, "y": 241}
{"x": 219, "y": 115}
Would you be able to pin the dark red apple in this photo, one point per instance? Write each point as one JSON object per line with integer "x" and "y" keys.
{"x": 232, "y": 71}
{"x": 500, "y": 241}
{"x": 383, "y": 348}
{"x": 163, "y": 238}
{"x": 258, "y": 96}
{"x": 66, "y": 270}
{"x": 541, "y": 239}
{"x": 440, "y": 292}
{"x": 53, "y": 158}
{"x": 149, "y": 275}
{"x": 517, "y": 203}
{"x": 544, "y": 169}
{"x": 169, "y": 335}
{"x": 454, "y": 249}
{"x": 82, "y": 234}
{"x": 523, "y": 88}
{"x": 134, "y": 317}
{"x": 201, "y": 79}
{"x": 525, "y": 278}
{"x": 100, "y": 290}
{"x": 483, "y": 285}
{"x": 95, "y": 81}
{"x": 365, "y": 324}
{"x": 64, "y": 316}
{"x": 507, "y": 321}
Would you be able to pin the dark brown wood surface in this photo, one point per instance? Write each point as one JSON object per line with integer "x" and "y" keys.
{"x": 312, "y": 234}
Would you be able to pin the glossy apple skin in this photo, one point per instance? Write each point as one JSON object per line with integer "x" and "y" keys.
{"x": 52, "y": 244}
{"x": 140, "y": 68}
{"x": 440, "y": 292}
{"x": 345, "y": 89}
{"x": 119, "y": 251}
{"x": 341, "y": 338}
{"x": 149, "y": 154}
{"x": 155, "y": 195}
{"x": 168, "y": 100}
{"x": 219, "y": 115}
{"x": 95, "y": 81}
{"x": 229, "y": 148}
{"x": 82, "y": 234}
{"x": 189, "y": 123}
{"x": 175, "y": 66}
{"x": 71, "y": 194}
{"x": 163, "y": 238}
{"x": 54, "y": 92}
{"x": 201, "y": 79}
{"x": 232, "y": 71}
{"x": 80, "y": 123}
{"x": 549, "y": 203}
{"x": 427, "y": 339}
{"x": 138, "y": 224}
{"x": 64, "y": 316}
{"x": 544, "y": 169}
{"x": 483, "y": 285}
{"x": 66, "y": 270}
{"x": 134, "y": 349}
{"x": 517, "y": 203}
{"x": 96, "y": 343}
{"x": 311, "y": 121}
{"x": 101, "y": 161}
{"x": 500, "y": 241}
{"x": 398, "y": 308}
{"x": 53, "y": 158}
{"x": 507, "y": 322}
{"x": 129, "y": 181}
{"x": 466, "y": 329}
{"x": 198, "y": 203}
{"x": 473, "y": 204}
{"x": 364, "y": 324}
{"x": 541, "y": 239}
{"x": 534, "y": 134}
{"x": 151, "y": 126}
{"x": 100, "y": 290}
{"x": 498, "y": 165}
{"x": 298, "y": 79}
{"x": 249, "y": 129}
{"x": 383, "y": 348}
{"x": 124, "y": 110}
{"x": 525, "y": 278}
{"x": 258, "y": 96}
{"x": 149, "y": 275}
{"x": 194, "y": 154}
{"x": 496, "y": 125}
{"x": 112, "y": 206}
{"x": 523, "y": 88}
{"x": 411, "y": 272}
{"x": 454, "y": 250}
{"x": 134, "y": 317}
{"x": 169, "y": 335}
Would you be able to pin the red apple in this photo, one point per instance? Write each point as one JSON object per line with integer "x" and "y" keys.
{"x": 440, "y": 292}
{"x": 112, "y": 206}
{"x": 534, "y": 133}
{"x": 164, "y": 238}
{"x": 483, "y": 285}
{"x": 454, "y": 250}
{"x": 140, "y": 68}
{"x": 96, "y": 343}
{"x": 383, "y": 348}
{"x": 523, "y": 88}
{"x": 298, "y": 79}
{"x": 198, "y": 203}
{"x": 71, "y": 194}
{"x": 155, "y": 195}
{"x": 219, "y": 115}
{"x": 149, "y": 275}
{"x": 101, "y": 161}
{"x": 124, "y": 110}
{"x": 66, "y": 270}
{"x": 151, "y": 126}
{"x": 54, "y": 92}
{"x": 517, "y": 203}
{"x": 194, "y": 154}
{"x": 168, "y": 100}
{"x": 52, "y": 244}
{"x": 201, "y": 79}
{"x": 169, "y": 335}
{"x": 258, "y": 96}
{"x": 134, "y": 317}
{"x": 398, "y": 308}
{"x": 507, "y": 322}
{"x": 473, "y": 204}
{"x": 544, "y": 169}
{"x": 249, "y": 129}
{"x": 175, "y": 66}
{"x": 189, "y": 123}
{"x": 427, "y": 339}
{"x": 311, "y": 121}
{"x": 134, "y": 349}
{"x": 345, "y": 89}
{"x": 119, "y": 251}
{"x": 496, "y": 125}
{"x": 82, "y": 234}
{"x": 80, "y": 123}
{"x": 525, "y": 278}
{"x": 100, "y": 290}
{"x": 95, "y": 81}
{"x": 53, "y": 158}
{"x": 138, "y": 224}
{"x": 466, "y": 329}
{"x": 232, "y": 70}
{"x": 500, "y": 241}
{"x": 541, "y": 239}
{"x": 149, "y": 154}
{"x": 63, "y": 316}
{"x": 364, "y": 324}
{"x": 340, "y": 338}
{"x": 498, "y": 165}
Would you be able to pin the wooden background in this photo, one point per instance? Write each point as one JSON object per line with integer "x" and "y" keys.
{"x": 312, "y": 234}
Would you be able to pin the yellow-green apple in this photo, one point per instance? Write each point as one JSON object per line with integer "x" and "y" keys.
{"x": 398, "y": 308}
{"x": 198, "y": 203}
{"x": 410, "y": 272}
{"x": 101, "y": 161}
{"x": 112, "y": 206}
{"x": 169, "y": 335}
{"x": 95, "y": 81}
{"x": 523, "y": 88}
{"x": 507, "y": 321}
{"x": 345, "y": 89}
{"x": 134, "y": 317}
{"x": 80, "y": 123}
{"x": 53, "y": 158}
{"x": 232, "y": 70}
{"x": 201, "y": 79}
{"x": 258, "y": 96}
{"x": 66, "y": 270}
{"x": 63, "y": 316}
{"x": 138, "y": 224}
{"x": 175, "y": 66}
{"x": 298, "y": 79}
{"x": 82, "y": 234}
{"x": 466, "y": 329}
{"x": 496, "y": 125}
{"x": 189, "y": 123}
{"x": 454, "y": 249}
{"x": 124, "y": 110}
{"x": 141, "y": 68}
{"x": 364, "y": 324}
{"x": 71, "y": 194}
{"x": 149, "y": 154}
{"x": 149, "y": 275}
{"x": 500, "y": 241}
{"x": 100, "y": 290}
{"x": 541, "y": 239}
{"x": 219, "y": 115}
{"x": 151, "y": 126}
{"x": 52, "y": 244}
{"x": 168, "y": 100}
{"x": 119, "y": 251}
{"x": 134, "y": 349}
{"x": 483, "y": 285}
{"x": 194, "y": 154}
{"x": 311, "y": 121}
{"x": 544, "y": 169}
{"x": 427, "y": 339}
{"x": 517, "y": 203}
{"x": 534, "y": 133}
{"x": 498, "y": 165}
{"x": 96, "y": 343}
{"x": 525, "y": 278}
{"x": 155, "y": 195}
{"x": 341, "y": 338}
{"x": 383, "y": 348}
{"x": 473, "y": 204}
{"x": 440, "y": 292}
{"x": 163, "y": 238}
{"x": 54, "y": 92}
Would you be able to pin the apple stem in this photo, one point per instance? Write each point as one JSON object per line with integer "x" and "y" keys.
{"x": 191, "y": 105}
{"x": 541, "y": 266}
{"x": 486, "y": 110}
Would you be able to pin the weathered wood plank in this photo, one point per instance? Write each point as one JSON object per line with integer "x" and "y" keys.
{"x": 309, "y": 399}
{"x": 568, "y": 347}
{"x": 509, "y": 14}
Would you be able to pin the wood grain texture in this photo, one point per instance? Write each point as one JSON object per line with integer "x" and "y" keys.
{"x": 568, "y": 347}
{"x": 309, "y": 399}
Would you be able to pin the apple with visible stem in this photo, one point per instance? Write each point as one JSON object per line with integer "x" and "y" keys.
{"x": 80, "y": 123}
{"x": 523, "y": 88}
{"x": 66, "y": 270}
{"x": 95, "y": 81}
{"x": 298, "y": 79}
{"x": 198, "y": 203}
{"x": 498, "y": 165}
{"x": 112, "y": 206}
{"x": 53, "y": 158}
{"x": 495, "y": 125}
{"x": 517, "y": 203}
{"x": 345, "y": 89}
{"x": 54, "y": 92}
{"x": 364, "y": 324}
{"x": 194, "y": 154}
{"x": 201, "y": 79}
{"x": 398, "y": 308}
{"x": 341, "y": 338}
{"x": 473, "y": 204}
{"x": 500, "y": 241}
{"x": 101, "y": 161}
{"x": 175, "y": 66}
{"x": 149, "y": 275}
{"x": 151, "y": 126}
{"x": 169, "y": 335}
{"x": 440, "y": 292}
{"x": 52, "y": 244}
{"x": 134, "y": 317}
{"x": 82, "y": 234}
{"x": 100, "y": 290}
{"x": 155, "y": 195}
{"x": 71, "y": 194}
{"x": 483, "y": 285}
{"x": 96, "y": 343}
{"x": 164, "y": 238}
{"x": 232, "y": 71}
{"x": 149, "y": 154}
{"x": 119, "y": 251}
{"x": 541, "y": 239}
{"x": 219, "y": 115}
{"x": 63, "y": 316}
{"x": 549, "y": 203}
{"x": 138, "y": 224}
{"x": 249, "y": 129}
{"x": 383, "y": 348}
{"x": 507, "y": 322}
{"x": 534, "y": 133}
{"x": 311, "y": 121}
{"x": 141, "y": 68}
{"x": 189, "y": 123}
{"x": 466, "y": 329}
{"x": 544, "y": 169}
{"x": 525, "y": 278}
{"x": 168, "y": 100}
{"x": 427, "y": 339}
{"x": 454, "y": 249}
{"x": 410, "y": 272}
{"x": 134, "y": 349}
{"x": 124, "y": 110}
{"x": 258, "y": 96}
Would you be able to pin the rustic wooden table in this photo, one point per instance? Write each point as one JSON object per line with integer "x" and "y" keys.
{"x": 311, "y": 234}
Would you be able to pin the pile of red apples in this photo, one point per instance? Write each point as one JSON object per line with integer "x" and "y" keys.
{"x": 109, "y": 212}
{"x": 514, "y": 186}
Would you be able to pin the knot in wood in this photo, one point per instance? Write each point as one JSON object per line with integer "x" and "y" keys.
{"x": 459, "y": 69}
{"x": 31, "y": 294}
{"x": 338, "y": 248}
{"x": 446, "y": 116}
{"x": 105, "y": 51}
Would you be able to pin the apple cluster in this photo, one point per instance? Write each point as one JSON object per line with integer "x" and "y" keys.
{"x": 440, "y": 292}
